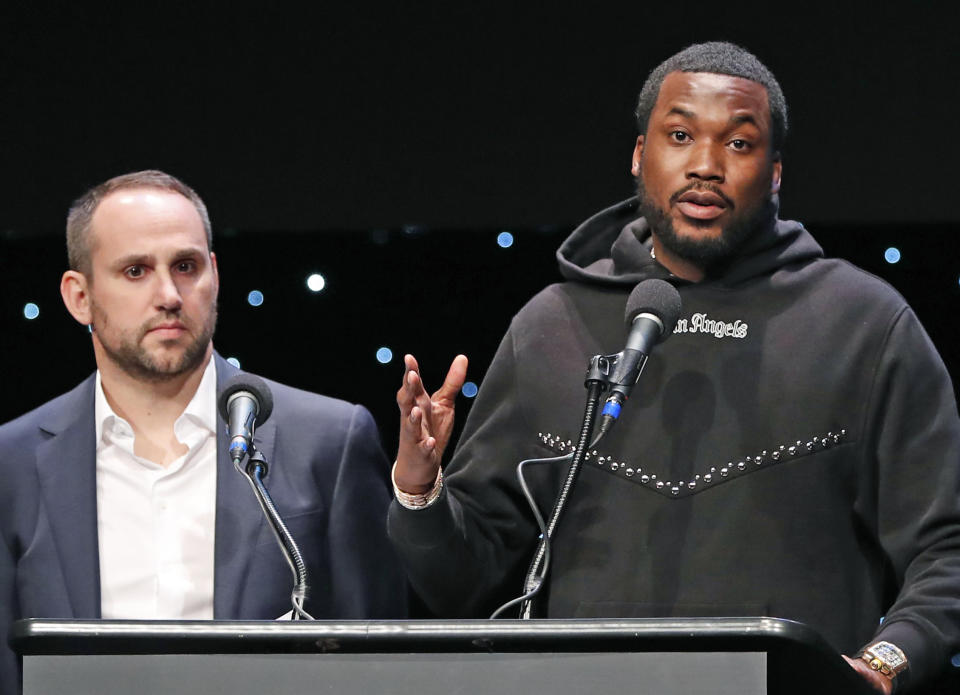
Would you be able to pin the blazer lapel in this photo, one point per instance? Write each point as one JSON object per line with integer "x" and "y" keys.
{"x": 239, "y": 518}
{"x": 66, "y": 465}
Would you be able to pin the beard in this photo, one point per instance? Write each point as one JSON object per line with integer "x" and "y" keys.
{"x": 710, "y": 252}
{"x": 127, "y": 351}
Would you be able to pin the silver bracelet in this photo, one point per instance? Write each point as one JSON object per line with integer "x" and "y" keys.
{"x": 423, "y": 501}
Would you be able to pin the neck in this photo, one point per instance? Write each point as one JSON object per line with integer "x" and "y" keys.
{"x": 680, "y": 267}
{"x": 151, "y": 407}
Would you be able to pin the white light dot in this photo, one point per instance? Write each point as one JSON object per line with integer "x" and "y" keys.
{"x": 316, "y": 282}
{"x": 469, "y": 389}
{"x": 505, "y": 240}
{"x": 30, "y": 311}
{"x": 384, "y": 355}
{"x": 234, "y": 361}
{"x": 255, "y": 298}
{"x": 892, "y": 255}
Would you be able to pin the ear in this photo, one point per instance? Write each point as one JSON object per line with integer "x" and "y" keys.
{"x": 637, "y": 156}
{"x": 777, "y": 173}
{"x": 74, "y": 288}
{"x": 216, "y": 273}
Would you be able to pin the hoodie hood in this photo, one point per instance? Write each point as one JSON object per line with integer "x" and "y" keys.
{"x": 613, "y": 248}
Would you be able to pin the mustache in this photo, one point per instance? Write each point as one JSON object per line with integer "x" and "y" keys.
{"x": 161, "y": 319}
{"x": 702, "y": 186}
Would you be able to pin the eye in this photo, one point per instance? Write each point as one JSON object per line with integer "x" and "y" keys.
{"x": 134, "y": 272}
{"x": 740, "y": 144}
{"x": 679, "y": 136}
{"x": 185, "y": 266}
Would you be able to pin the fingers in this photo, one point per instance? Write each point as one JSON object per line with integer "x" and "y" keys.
{"x": 425, "y": 424}
{"x": 456, "y": 375}
{"x": 410, "y": 362}
{"x": 417, "y": 460}
{"x": 411, "y": 386}
{"x": 412, "y": 430}
{"x": 877, "y": 680}
{"x": 415, "y": 405}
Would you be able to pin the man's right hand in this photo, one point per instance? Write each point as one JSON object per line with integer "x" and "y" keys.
{"x": 426, "y": 422}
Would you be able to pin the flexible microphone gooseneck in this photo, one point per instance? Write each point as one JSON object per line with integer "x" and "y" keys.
{"x": 244, "y": 403}
{"x": 652, "y": 310}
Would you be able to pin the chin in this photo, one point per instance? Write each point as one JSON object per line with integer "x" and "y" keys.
{"x": 693, "y": 231}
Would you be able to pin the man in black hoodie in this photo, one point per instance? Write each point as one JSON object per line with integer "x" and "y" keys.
{"x": 793, "y": 451}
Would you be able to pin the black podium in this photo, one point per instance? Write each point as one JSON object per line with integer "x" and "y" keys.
{"x": 684, "y": 656}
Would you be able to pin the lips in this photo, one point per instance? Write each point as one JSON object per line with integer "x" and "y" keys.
{"x": 702, "y": 198}
{"x": 168, "y": 329}
{"x": 701, "y": 204}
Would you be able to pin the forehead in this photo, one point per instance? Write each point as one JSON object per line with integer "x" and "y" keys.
{"x": 710, "y": 94}
{"x": 145, "y": 220}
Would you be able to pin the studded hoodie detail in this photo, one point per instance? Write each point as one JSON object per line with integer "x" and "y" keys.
{"x": 791, "y": 450}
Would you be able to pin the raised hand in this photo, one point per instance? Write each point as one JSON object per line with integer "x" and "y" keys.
{"x": 426, "y": 422}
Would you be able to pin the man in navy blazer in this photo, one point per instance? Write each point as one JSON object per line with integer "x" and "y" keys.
{"x": 144, "y": 279}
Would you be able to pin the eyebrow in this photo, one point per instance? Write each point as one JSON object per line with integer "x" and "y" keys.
{"x": 681, "y": 112}
{"x": 744, "y": 118}
{"x": 132, "y": 259}
{"x": 140, "y": 258}
{"x": 734, "y": 120}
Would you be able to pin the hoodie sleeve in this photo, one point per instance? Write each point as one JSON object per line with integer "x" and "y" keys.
{"x": 911, "y": 493}
{"x": 463, "y": 552}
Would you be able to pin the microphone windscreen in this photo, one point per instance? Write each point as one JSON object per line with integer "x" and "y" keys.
{"x": 252, "y": 384}
{"x": 657, "y": 297}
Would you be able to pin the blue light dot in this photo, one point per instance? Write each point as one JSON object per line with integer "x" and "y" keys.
{"x": 384, "y": 355}
{"x": 255, "y": 298}
{"x": 234, "y": 361}
{"x": 316, "y": 282}
{"x": 892, "y": 254}
{"x": 505, "y": 240}
{"x": 31, "y": 311}
{"x": 469, "y": 389}
{"x": 955, "y": 660}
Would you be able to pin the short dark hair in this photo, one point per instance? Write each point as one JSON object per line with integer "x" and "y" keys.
{"x": 721, "y": 58}
{"x": 81, "y": 212}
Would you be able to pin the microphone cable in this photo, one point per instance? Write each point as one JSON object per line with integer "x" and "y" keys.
{"x": 539, "y": 566}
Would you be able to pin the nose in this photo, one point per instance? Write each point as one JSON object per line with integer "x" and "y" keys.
{"x": 167, "y": 293}
{"x": 706, "y": 162}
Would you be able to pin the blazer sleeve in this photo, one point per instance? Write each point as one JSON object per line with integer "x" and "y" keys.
{"x": 366, "y": 578}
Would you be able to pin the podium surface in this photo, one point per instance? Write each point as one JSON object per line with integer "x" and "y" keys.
{"x": 688, "y": 656}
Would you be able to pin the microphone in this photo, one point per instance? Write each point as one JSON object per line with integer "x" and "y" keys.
{"x": 244, "y": 402}
{"x": 651, "y": 315}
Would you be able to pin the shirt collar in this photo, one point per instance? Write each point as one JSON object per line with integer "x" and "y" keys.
{"x": 202, "y": 408}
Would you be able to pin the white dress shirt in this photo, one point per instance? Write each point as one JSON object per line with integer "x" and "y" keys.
{"x": 156, "y": 523}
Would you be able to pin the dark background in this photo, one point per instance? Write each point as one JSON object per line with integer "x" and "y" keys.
{"x": 386, "y": 146}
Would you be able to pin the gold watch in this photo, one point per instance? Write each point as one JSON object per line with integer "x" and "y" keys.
{"x": 886, "y": 658}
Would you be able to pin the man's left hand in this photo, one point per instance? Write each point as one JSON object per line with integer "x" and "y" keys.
{"x": 874, "y": 678}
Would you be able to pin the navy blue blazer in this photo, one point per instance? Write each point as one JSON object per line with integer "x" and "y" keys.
{"x": 328, "y": 476}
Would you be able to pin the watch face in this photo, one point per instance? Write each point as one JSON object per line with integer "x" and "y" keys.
{"x": 888, "y": 653}
{"x": 885, "y": 658}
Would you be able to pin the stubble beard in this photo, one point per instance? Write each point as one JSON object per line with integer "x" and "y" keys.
{"x": 130, "y": 355}
{"x": 705, "y": 252}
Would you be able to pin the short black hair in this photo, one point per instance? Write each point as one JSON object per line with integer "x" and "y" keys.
{"x": 720, "y": 58}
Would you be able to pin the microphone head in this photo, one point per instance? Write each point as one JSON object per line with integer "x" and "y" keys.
{"x": 657, "y": 297}
{"x": 253, "y": 385}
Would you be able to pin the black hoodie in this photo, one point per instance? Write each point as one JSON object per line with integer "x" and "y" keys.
{"x": 792, "y": 450}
